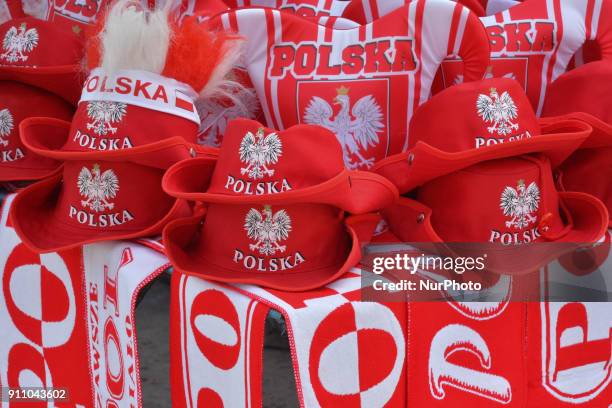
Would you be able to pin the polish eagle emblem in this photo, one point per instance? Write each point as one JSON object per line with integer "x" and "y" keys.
{"x": 500, "y": 110}
{"x": 19, "y": 42}
{"x": 258, "y": 152}
{"x": 6, "y": 125}
{"x": 267, "y": 229}
{"x": 215, "y": 114}
{"x": 97, "y": 188}
{"x": 356, "y": 128}
{"x": 104, "y": 114}
{"x": 520, "y": 204}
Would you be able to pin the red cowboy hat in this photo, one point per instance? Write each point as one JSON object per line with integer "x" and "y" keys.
{"x": 101, "y": 197}
{"x": 480, "y": 204}
{"x": 18, "y": 102}
{"x": 131, "y": 109}
{"x": 41, "y": 54}
{"x": 585, "y": 93}
{"x": 258, "y": 165}
{"x": 463, "y": 125}
{"x": 105, "y": 190}
{"x": 315, "y": 244}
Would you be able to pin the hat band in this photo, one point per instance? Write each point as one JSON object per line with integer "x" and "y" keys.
{"x": 144, "y": 89}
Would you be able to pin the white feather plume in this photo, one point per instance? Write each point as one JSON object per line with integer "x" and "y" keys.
{"x": 219, "y": 83}
{"x": 135, "y": 38}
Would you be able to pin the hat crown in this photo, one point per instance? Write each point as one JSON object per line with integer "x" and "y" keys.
{"x": 498, "y": 201}
{"x": 584, "y": 89}
{"x": 474, "y": 115}
{"x": 277, "y": 238}
{"x": 255, "y": 160}
{"x": 130, "y": 109}
{"x": 18, "y": 102}
{"x": 30, "y": 42}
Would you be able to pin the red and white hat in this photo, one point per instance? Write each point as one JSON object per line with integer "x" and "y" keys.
{"x": 39, "y": 53}
{"x": 105, "y": 188}
{"x": 473, "y": 122}
{"x": 504, "y": 203}
{"x": 135, "y": 119}
{"x": 280, "y": 199}
{"x": 302, "y": 164}
{"x": 585, "y": 94}
{"x": 18, "y": 102}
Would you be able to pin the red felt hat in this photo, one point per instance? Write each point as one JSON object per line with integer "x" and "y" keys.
{"x": 41, "y": 54}
{"x": 302, "y": 164}
{"x": 505, "y": 202}
{"x": 474, "y": 122}
{"x": 18, "y": 102}
{"x": 314, "y": 244}
{"x": 101, "y": 197}
{"x": 585, "y": 93}
{"x": 106, "y": 186}
{"x": 131, "y": 109}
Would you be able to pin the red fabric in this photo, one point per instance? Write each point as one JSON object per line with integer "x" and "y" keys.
{"x": 366, "y": 11}
{"x": 586, "y": 89}
{"x": 460, "y": 357}
{"x": 303, "y": 61}
{"x": 19, "y": 102}
{"x": 15, "y": 9}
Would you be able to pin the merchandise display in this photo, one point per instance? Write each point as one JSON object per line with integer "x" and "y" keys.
{"x": 418, "y": 192}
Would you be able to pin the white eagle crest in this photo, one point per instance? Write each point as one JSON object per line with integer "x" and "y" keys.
{"x": 104, "y": 114}
{"x": 215, "y": 115}
{"x": 267, "y": 229}
{"x": 97, "y": 188}
{"x": 258, "y": 152}
{"x": 6, "y": 125}
{"x": 356, "y": 131}
{"x": 499, "y": 110}
{"x": 17, "y": 43}
{"x": 520, "y": 204}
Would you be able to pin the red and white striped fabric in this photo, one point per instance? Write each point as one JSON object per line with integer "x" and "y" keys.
{"x": 535, "y": 41}
{"x": 532, "y": 41}
{"x": 67, "y": 319}
{"x": 309, "y": 73}
{"x": 366, "y": 11}
{"x": 77, "y": 15}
